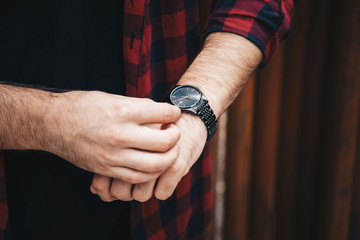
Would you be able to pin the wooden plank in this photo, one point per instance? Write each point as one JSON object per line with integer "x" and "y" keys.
{"x": 354, "y": 230}
{"x": 308, "y": 223}
{"x": 295, "y": 54}
{"x": 267, "y": 114}
{"x": 219, "y": 211}
{"x": 341, "y": 116}
{"x": 238, "y": 163}
{"x": 214, "y": 159}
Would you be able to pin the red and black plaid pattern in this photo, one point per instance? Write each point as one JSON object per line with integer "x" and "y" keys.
{"x": 161, "y": 39}
{"x": 3, "y": 202}
{"x": 264, "y": 22}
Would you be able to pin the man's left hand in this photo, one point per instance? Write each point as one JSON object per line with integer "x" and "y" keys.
{"x": 191, "y": 145}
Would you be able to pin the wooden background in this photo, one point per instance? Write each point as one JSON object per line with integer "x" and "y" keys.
{"x": 287, "y": 161}
{"x": 287, "y": 156}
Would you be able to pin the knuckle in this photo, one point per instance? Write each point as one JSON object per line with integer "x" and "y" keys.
{"x": 99, "y": 184}
{"x": 117, "y": 138}
{"x": 107, "y": 159}
{"x": 154, "y": 166}
{"x": 168, "y": 115}
{"x": 186, "y": 171}
{"x": 124, "y": 111}
{"x": 132, "y": 178}
{"x": 170, "y": 157}
{"x": 141, "y": 196}
{"x": 178, "y": 167}
{"x": 148, "y": 100}
{"x": 177, "y": 133}
{"x": 166, "y": 143}
{"x": 165, "y": 192}
{"x": 106, "y": 199}
{"x": 105, "y": 156}
{"x": 120, "y": 193}
{"x": 175, "y": 152}
{"x": 113, "y": 138}
{"x": 116, "y": 193}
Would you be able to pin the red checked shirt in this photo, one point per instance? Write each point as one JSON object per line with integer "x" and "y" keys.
{"x": 161, "y": 39}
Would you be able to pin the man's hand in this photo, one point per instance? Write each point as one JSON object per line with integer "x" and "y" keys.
{"x": 99, "y": 132}
{"x": 107, "y": 134}
{"x": 191, "y": 144}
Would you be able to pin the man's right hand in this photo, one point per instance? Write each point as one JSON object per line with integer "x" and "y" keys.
{"x": 107, "y": 134}
{"x": 102, "y": 133}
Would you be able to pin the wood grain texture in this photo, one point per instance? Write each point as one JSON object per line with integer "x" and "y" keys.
{"x": 289, "y": 136}
{"x": 304, "y": 169}
{"x": 307, "y": 196}
{"x": 293, "y": 144}
{"x": 354, "y": 227}
{"x": 341, "y": 116}
{"x": 238, "y": 163}
{"x": 266, "y": 132}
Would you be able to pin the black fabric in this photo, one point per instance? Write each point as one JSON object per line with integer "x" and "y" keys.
{"x": 71, "y": 44}
{"x": 50, "y": 199}
{"x": 66, "y": 44}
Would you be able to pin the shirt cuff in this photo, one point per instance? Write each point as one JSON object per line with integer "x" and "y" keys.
{"x": 265, "y": 27}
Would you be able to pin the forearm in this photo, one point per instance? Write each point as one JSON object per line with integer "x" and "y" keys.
{"x": 222, "y": 68}
{"x": 23, "y": 117}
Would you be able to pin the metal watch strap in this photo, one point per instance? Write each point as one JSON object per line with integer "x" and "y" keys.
{"x": 208, "y": 116}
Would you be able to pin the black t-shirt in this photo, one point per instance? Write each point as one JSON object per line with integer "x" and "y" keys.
{"x": 66, "y": 44}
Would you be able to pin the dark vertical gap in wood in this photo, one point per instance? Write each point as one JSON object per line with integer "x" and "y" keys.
{"x": 291, "y": 111}
{"x": 238, "y": 163}
{"x": 308, "y": 224}
{"x": 267, "y": 114}
{"x": 340, "y": 117}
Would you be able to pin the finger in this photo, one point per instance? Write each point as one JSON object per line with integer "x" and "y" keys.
{"x": 121, "y": 190}
{"x": 131, "y": 176}
{"x": 157, "y": 126}
{"x": 153, "y": 112}
{"x": 101, "y": 185}
{"x": 143, "y": 161}
{"x": 92, "y": 189}
{"x": 143, "y": 191}
{"x": 156, "y": 140}
{"x": 169, "y": 180}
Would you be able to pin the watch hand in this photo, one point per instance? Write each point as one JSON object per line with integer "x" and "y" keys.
{"x": 190, "y": 98}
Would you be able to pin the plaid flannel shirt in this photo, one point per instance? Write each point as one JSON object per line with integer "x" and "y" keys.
{"x": 161, "y": 39}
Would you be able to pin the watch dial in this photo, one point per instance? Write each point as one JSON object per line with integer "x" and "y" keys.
{"x": 185, "y": 96}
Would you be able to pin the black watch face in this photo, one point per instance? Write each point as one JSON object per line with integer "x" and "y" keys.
{"x": 185, "y": 96}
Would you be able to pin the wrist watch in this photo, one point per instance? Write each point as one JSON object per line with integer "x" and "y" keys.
{"x": 190, "y": 99}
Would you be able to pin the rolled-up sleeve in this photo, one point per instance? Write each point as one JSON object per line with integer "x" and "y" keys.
{"x": 264, "y": 22}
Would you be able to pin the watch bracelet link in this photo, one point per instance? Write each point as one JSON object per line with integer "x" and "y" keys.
{"x": 208, "y": 117}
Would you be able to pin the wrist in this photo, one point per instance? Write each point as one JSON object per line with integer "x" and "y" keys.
{"x": 196, "y": 124}
{"x": 222, "y": 69}
{"x": 46, "y": 118}
{"x": 23, "y": 117}
{"x": 59, "y": 122}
